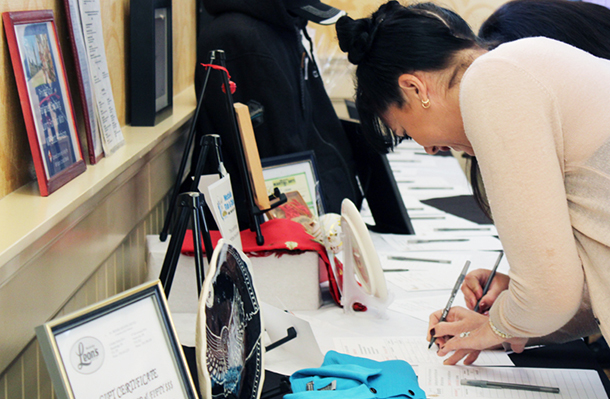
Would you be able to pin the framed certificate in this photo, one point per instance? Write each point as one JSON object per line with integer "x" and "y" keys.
{"x": 151, "y": 71}
{"x": 295, "y": 172}
{"x": 45, "y": 97}
{"x": 85, "y": 82}
{"x": 125, "y": 346}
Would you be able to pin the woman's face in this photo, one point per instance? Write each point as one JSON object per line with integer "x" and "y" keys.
{"x": 437, "y": 128}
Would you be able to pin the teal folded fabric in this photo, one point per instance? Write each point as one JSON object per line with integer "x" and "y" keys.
{"x": 345, "y": 376}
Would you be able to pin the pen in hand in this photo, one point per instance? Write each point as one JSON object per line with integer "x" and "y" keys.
{"x": 489, "y": 279}
{"x": 456, "y": 288}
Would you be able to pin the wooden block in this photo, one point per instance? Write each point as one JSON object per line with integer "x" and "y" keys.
{"x": 253, "y": 160}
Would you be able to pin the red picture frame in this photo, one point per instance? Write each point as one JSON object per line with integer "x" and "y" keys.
{"x": 45, "y": 97}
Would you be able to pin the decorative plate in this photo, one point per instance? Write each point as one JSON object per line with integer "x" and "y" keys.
{"x": 229, "y": 329}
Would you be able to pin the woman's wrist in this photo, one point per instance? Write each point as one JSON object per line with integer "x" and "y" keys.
{"x": 499, "y": 333}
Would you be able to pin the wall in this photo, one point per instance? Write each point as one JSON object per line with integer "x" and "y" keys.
{"x": 86, "y": 241}
{"x": 16, "y": 168}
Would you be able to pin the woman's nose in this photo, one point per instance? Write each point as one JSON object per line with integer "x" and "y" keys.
{"x": 431, "y": 150}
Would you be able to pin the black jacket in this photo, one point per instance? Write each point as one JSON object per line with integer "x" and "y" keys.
{"x": 267, "y": 61}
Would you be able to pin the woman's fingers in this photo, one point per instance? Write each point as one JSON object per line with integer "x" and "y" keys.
{"x": 468, "y": 355}
{"x": 472, "y": 287}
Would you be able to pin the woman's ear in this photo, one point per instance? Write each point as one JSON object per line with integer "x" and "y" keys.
{"x": 413, "y": 87}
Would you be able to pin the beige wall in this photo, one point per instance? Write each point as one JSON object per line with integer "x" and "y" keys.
{"x": 87, "y": 241}
{"x": 16, "y": 168}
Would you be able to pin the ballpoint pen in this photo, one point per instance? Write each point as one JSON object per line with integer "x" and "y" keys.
{"x": 508, "y": 385}
{"x": 489, "y": 279}
{"x": 463, "y": 229}
{"x": 437, "y": 240}
{"x": 409, "y": 259}
{"x": 456, "y": 288}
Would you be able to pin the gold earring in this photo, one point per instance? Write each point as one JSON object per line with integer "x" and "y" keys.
{"x": 425, "y": 103}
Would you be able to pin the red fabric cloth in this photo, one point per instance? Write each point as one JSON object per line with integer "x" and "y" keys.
{"x": 281, "y": 236}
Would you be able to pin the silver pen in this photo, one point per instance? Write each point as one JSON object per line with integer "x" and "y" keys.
{"x": 508, "y": 385}
{"x": 463, "y": 229}
{"x": 489, "y": 280}
{"x": 437, "y": 240}
{"x": 455, "y": 290}
{"x": 409, "y": 259}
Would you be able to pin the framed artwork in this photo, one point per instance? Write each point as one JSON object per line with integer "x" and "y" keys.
{"x": 85, "y": 84}
{"x": 123, "y": 346}
{"x": 151, "y": 73}
{"x": 295, "y": 172}
{"x": 45, "y": 97}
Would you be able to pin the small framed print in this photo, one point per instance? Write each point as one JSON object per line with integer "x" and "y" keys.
{"x": 295, "y": 172}
{"x": 45, "y": 97}
{"x": 125, "y": 346}
{"x": 151, "y": 61}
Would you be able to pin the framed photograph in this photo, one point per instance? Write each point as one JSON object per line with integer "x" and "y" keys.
{"x": 123, "y": 346}
{"x": 85, "y": 84}
{"x": 45, "y": 97}
{"x": 295, "y": 172}
{"x": 151, "y": 72}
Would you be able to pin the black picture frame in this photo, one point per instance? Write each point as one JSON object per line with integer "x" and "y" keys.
{"x": 302, "y": 163}
{"x": 151, "y": 61}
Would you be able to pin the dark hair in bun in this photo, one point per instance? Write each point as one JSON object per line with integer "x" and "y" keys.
{"x": 395, "y": 40}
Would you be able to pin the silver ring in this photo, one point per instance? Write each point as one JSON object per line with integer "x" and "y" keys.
{"x": 464, "y": 334}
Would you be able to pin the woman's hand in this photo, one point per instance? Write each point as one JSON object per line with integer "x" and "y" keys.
{"x": 458, "y": 320}
{"x": 473, "y": 288}
{"x": 467, "y": 333}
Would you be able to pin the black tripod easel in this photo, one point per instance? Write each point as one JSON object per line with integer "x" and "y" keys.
{"x": 217, "y": 57}
{"x": 191, "y": 204}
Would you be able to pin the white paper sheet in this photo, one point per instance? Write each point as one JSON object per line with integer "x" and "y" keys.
{"x": 444, "y": 382}
{"x": 112, "y": 135}
{"x": 421, "y": 307}
{"x": 414, "y": 350}
{"x": 301, "y": 352}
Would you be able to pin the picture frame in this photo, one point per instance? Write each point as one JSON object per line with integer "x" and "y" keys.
{"x": 126, "y": 344}
{"x": 86, "y": 90}
{"x": 295, "y": 172}
{"x": 45, "y": 97}
{"x": 151, "y": 61}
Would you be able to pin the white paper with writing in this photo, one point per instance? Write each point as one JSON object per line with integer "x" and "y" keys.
{"x": 112, "y": 135}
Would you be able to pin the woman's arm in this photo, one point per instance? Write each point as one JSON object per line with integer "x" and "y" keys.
{"x": 512, "y": 121}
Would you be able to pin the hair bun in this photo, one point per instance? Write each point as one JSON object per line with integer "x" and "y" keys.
{"x": 355, "y": 38}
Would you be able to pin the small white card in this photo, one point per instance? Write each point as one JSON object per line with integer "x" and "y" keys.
{"x": 222, "y": 203}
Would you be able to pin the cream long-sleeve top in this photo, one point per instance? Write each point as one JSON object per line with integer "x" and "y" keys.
{"x": 537, "y": 113}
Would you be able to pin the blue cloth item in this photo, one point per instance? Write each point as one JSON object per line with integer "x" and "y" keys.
{"x": 345, "y": 376}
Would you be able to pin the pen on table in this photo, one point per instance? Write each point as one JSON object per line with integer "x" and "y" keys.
{"x": 456, "y": 288}
{"x": 395, "y": 270}
{"x": 429, "y": 188}
{"x": 427, "y": 217}
{"x": 407, "y": 259}
{"x": 438, "y": 240}
{"x": 508, "y": 385}
{"x": 491, "y": 277}
{"x": 463, "y": 229}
